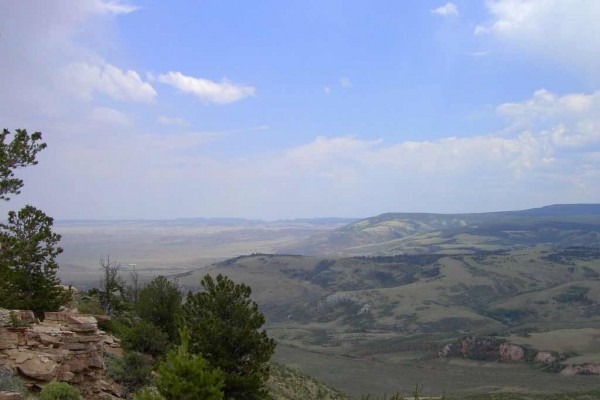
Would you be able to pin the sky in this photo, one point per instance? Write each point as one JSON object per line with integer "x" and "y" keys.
{"x": 293, "y": 109}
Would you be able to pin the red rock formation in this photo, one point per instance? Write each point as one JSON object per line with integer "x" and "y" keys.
{"x": 511, "y": 352}
{"x": 65, "y": 347}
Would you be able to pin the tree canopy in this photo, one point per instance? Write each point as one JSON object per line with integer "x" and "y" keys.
{"x": 28, "y": 246}
{"x": 160, "y": 303}
{"x": 18, "y": 153}
{"x": 224, "y": 326}
{"x": 27, "y": 264}
{"x": 185, "y": 376}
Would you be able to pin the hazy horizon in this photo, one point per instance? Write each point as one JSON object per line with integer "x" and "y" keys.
{"x": 291, "y": 219}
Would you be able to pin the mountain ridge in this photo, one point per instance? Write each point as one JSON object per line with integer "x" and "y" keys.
{"x": 558, "y": 224}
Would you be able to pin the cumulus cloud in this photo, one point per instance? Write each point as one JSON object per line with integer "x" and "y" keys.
{"x": 447, "y": 10}
{"x": 173, "y": 121}
{"x": 566, "y": 31}
{"x": 205, "y": 89}
{"x": 51, "y": 69}
{"x": 107, "y": 79}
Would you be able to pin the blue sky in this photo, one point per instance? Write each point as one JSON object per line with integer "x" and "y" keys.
{"x": 274, "y": 109}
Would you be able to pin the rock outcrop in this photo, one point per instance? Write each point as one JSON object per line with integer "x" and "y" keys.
{"x": 493, "y": 349}
{"x": 582, "y": 369}
{"x": 66, "y": 347}
{"x": 10, "y": 396}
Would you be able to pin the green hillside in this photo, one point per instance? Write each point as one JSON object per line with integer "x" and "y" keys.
{"x": 376, "y": 302}
{"x": 376, "y": 324}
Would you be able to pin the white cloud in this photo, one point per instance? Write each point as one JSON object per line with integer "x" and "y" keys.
{"x": 571, "y": 120}
{"x": 548, "y": 153}
{"x": 566, "y": 31}
{"x": 549, "y": 105}
{"x": 447, "y": 10}
{"x": 107, "y": 79}
{"x": 345, "y": 82}
{"x": 478, "y": 53}
{"x": 220, "y": 93}
{"x": 174, "y": 121}
{"x": 110, "y": 116}
{"x": 113, "y": 7}
{"x": 327, "y": 89}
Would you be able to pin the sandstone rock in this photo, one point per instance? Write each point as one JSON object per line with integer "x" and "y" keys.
{"x": 583, "y": 369}
{"x": 66, "y": 376}
{"x": 8, "y": 340}
{"x": 511, "y": 352}
{"x": 76, "y": 364}
{"x": 76, "y": 346}
{"x": 10, "y": 396}
{"x": 55, "y": 316}
{"x": 83, "y": 339}
{"x": 102, "y": 318}
{"x": 545, "y": 357}
{"x": 95, "y": 361}
{"x": 22, "y": 357}
{"x": 49, "y": 339}
{"x": 78, "y": 323}
{"x": 38, "y": 367}
{"x": 65, "y": 347}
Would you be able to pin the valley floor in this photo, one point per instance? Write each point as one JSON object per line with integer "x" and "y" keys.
{"x": 452, "y": 377}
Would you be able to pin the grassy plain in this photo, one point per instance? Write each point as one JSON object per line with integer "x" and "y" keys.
{"x": 170, "y": 247}
{"x": 456, "y": 378}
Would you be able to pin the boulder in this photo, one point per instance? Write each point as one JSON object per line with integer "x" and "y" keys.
{"x": 37, "y": 366}
{"x": 78, "y": 323}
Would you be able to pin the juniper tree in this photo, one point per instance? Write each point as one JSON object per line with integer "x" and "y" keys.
{"x": 224, "y": 326}
{"x": 28, "y": 262}
{"x": 160, "y": 303}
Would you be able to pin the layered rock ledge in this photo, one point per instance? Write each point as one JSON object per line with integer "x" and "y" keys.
{"x": 66, "y": 347}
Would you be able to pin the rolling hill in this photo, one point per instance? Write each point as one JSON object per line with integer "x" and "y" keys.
{"x": 419, "y": 233}
{"x": 392, "y": 314}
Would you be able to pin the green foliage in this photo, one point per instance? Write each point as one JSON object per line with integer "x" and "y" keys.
{"x": 147, "y": 394}
{"x": 89, "y": 305}
{"x": 15, "y": 320}
{"x": 132, "y": 371}
{"x": 59, "y": 391}
{"x": 144, "y": 337}
{"x": 18, "y": 153}
{"x": 223, "y": 324}
{"x": 185, "y": 376}
{"x": 288, "y": 384}
{"x": 160, "y": 304}
{"x": 27, "y": 263}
